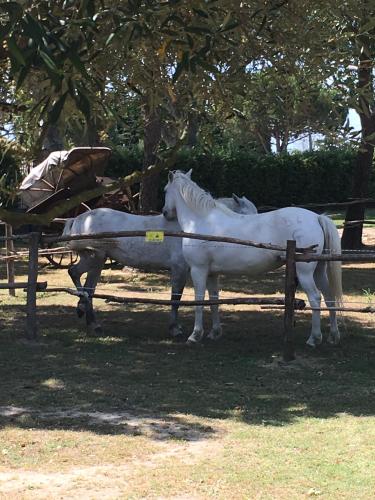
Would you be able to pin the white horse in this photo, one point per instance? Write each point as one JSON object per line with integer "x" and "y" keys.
{"x": 198, "y": 212}
{"x": 133, "y": 252}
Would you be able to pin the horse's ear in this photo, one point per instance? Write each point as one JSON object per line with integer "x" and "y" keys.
{"x": 236, "y": 198}
{"x": 188, "y": 174}
{"x": 170, "y": 176}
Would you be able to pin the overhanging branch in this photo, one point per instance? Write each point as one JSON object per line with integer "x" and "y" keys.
{"x": 167, "y": 161}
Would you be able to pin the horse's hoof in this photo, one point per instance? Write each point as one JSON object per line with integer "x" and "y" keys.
{"x": 215, "y": 334}
{"x": 333, "y": 340}
{"x": 98, "y": 330}
{"x": 192, "y": 341}
{"x": 94, "y": 330}
{"x": 195, "y": 337}
{"x": 175, "y": 331}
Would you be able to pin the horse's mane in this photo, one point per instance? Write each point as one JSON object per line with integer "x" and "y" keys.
{"x": 195, "y": 197}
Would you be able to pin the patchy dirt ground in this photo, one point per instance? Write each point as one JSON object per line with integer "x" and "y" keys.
{"x": 105, "y": 480}
{"x": 131, "y": 414}
{"x": 368, "y": 236}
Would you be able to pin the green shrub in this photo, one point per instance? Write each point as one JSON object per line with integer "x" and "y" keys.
{"x": 276, "y": 180}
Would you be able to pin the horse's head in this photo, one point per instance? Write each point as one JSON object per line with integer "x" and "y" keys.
{"x": 244, "y": 206}
{"x": 169, "y": 209}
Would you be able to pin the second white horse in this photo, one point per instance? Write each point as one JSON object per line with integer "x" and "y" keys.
{"x": 132, "y": 252}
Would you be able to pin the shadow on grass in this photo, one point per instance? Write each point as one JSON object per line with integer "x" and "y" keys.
{"x": 134, "y": 380}
{"x": 356, "y": 280}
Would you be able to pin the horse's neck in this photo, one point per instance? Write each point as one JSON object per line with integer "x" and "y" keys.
{"x": 187, "y": 218}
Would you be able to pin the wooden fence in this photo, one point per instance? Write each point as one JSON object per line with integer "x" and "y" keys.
{"x": 290, "y": 304}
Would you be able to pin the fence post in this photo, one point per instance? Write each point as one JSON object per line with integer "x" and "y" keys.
{"x": 9, "y": 250}
{"x": 31, "y": 321}
{"x": 290, "y": 290}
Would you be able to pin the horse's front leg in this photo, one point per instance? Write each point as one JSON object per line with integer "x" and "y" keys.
{"x": 213, "y": 292}
{"x": 199, "y": 277}
{"x": 75, "y": 272}
{"x": 178, "y": 282}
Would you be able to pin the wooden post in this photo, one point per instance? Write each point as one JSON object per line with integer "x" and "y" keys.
{"x": 290, "y": 291}
{"x": 31, "y": 322}
{"x": 9, "y": 247}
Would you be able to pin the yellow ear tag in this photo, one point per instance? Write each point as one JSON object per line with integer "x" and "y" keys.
{"x": 154, "y": 236}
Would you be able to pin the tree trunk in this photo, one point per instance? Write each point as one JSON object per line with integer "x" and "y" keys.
{"x": 352, "y": 236}
{"x": 92, "y": 135}
{"x": 263, "y": 140}
{"x": 152, "y": 135}
{"x": 192, "y": 131}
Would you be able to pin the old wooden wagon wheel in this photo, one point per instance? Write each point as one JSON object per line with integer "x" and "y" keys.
{"x": 63, "y": 259}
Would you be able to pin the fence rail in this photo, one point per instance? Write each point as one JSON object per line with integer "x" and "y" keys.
{"x": 289, "y": 304}
{"x": 173, "y": 234}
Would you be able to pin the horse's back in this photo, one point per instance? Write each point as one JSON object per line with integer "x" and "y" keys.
{"x": 132, "y": 251}
{"x": 274, "y": 227}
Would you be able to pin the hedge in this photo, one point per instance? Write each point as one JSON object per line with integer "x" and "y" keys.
{"x": 277, "y": 180}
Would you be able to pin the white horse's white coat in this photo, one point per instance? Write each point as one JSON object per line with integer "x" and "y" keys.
{"x": 133, "y": 252}
{"x": 198, "y": 212}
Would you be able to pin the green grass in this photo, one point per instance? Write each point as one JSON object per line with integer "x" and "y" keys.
{"x": 218, "y": 421}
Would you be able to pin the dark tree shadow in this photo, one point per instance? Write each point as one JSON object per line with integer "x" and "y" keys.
{"x": 135, "y": 380}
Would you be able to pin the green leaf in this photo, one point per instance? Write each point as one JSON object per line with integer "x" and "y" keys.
{"x": 15, "y": 52}
{"x": 197, "y": 29}
{"x": 33, "y": 29}
{"x": 44, "y": 108}
{"x": 77, "y": 63}
{"x": 109, "y": 39}
{"x": 22, "y": 75}
{"x": 48, "y": 61}
{"x": 229, "y": 23}
{"x": 201, "y": 13}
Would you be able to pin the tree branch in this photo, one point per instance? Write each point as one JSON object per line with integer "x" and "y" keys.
{"x": 167, "y": 161}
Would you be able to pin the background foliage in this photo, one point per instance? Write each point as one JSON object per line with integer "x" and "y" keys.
{"x": 276, "y": 180}
{"x": 10, "y": 175}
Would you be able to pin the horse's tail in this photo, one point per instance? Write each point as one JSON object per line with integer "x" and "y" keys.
{"x": 332, "y": 243}
{"x": 68, "y": 227}
{"x": 69, "y": 231}
{"x": 73, "y": 227}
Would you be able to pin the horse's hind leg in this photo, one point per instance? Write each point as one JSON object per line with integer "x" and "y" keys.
{"x": 305, "y": 274}
{"x": 213, "y": 292}
{"x": 75, "y": 272}
{"x": 199, "y": 277}
{"x": 97, "y": 263}
{"x": 178, "y": 282}
{"x": 322, "y": 283}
